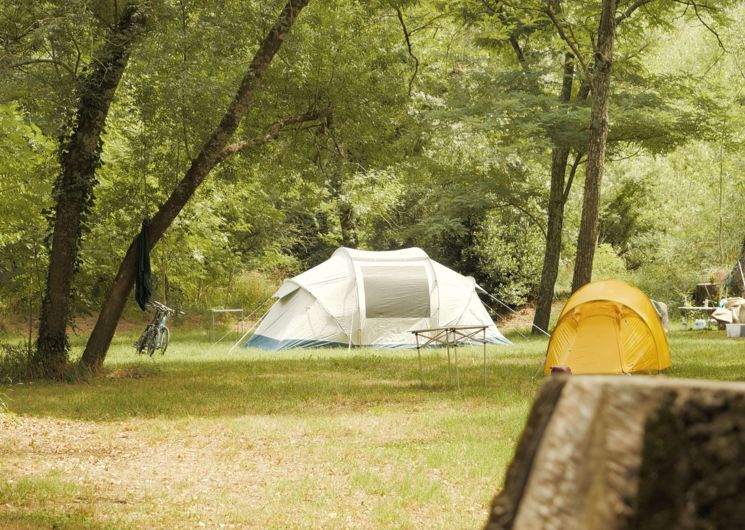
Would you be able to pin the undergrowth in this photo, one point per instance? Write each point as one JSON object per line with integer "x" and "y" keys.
{"x": 14, "y": 364}
{"x": 16, "y": 367}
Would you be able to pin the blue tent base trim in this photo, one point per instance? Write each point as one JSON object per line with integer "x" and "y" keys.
{"x": 263, "y": 342}
{"x": 267, "y": 343}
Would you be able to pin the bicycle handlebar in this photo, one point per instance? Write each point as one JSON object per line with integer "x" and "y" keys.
{"x": 163, "y": 307}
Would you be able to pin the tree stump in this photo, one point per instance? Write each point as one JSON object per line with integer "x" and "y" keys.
{"x": 628, "y": 452}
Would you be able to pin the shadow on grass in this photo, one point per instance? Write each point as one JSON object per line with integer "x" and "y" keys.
{"x": 264, "y": 387}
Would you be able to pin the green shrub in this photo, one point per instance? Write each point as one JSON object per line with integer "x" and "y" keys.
{"x": 14, "y": 363}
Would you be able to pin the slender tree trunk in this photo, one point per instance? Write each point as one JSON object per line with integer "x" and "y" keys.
{"x": 80, "y": 156}
{"x": 344, "y": 210}
{"x": 552, "y": 254}
{"x": 214, "y": 151}
{"x": 737, "y": 276}
{"x": 588, "y": 233}
{"x": 348, "y": 222}
{"x": 344, "y": 207}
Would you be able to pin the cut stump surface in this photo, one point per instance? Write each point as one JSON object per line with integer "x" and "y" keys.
{"x": 628, "y": 452}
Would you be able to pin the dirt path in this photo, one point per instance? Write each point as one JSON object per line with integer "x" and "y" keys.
{"x": 249, "y": 472}
{"x": 139, "y": 471}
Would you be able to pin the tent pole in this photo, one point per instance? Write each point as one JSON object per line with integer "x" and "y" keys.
{"x": 351, "y": 331}
{"x": 351, "y": 326}
{"x": 457, "y": 368}
{"x": 447, "y": 345}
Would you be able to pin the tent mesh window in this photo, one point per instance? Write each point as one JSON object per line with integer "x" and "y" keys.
{"x": 396, "y": 291}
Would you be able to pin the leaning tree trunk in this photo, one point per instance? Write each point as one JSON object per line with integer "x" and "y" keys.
{"x": 214, "y": 151}
{"x": 628, "y": 452}
{"x": 80, "y": 156}
{"x": 588, "y": 231}
{"x": 552, "y": 254}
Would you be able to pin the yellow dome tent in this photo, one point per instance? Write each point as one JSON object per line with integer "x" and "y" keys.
{"x": 608, "y": 327}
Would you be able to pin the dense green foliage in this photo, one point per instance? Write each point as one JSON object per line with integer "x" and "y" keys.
{"x": 443, "y": 145}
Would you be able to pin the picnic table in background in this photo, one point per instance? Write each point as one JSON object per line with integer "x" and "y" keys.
{"x": 690, "y": 312}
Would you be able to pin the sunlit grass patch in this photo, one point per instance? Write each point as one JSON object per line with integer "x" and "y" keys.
{"x": 49, "y": 501}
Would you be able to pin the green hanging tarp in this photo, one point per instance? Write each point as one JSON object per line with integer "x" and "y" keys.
{"x": 143, "y": 281}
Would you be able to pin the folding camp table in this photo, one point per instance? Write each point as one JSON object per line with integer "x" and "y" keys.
{"x": 689, "y": 312}
{"x": 448, "y": 337}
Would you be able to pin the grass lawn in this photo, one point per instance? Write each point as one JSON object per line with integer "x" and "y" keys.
{"x": 300, "y": 439}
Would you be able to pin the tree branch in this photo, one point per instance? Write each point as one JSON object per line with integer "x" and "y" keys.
{"x": 512, "y": 34}
{"x": 514, "y": 43}
{"x": 42, "y": 61}
{"x": 271, "y": 133}
{"x": 630, "y": 10}
{"x": 408, "y": 45}
{"x": 572, "y": 45}
{"x": 695, "y": 6}
{"x": 426, "y": 25}
{"x": 572, "y": 172}
{"x": 527, "y": 214}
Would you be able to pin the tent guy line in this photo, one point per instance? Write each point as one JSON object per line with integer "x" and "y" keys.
{"x": 515, "y": 312}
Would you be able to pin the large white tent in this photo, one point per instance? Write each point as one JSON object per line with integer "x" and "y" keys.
{"x": 360, "y": 297}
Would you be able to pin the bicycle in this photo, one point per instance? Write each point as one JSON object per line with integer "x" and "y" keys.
{"x": 156, "y": 335}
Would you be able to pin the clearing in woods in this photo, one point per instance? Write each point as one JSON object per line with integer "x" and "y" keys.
{"x": 303, "y": 439}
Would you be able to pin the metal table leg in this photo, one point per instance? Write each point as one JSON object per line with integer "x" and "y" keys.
{"x": 484, "y": 338}
{"x": 457, "y": 368}
{"x": 419, "y": 355}
{"x": 447, "y": 345}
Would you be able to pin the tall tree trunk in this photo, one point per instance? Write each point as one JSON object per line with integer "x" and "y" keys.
{"x": 737, "y": 276}
{"x": 552, "y": 254}
{"x": 588, "y": 233}
{"x": 214, "y": 151}
{"x": 344, "y": 209}
{"x": 348, "y": 223}
{"x": 73, "y": 191}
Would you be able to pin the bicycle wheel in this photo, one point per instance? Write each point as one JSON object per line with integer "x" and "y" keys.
{"x": 142, "y": 342}
{"x": 164, "y": 338}
{"x": 138, "y": 344}
{"x": 151, "y": 343}
{"x": 151, "y": 347}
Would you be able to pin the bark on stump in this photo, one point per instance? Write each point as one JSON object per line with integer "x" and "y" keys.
{"x": 622, "y": 452}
